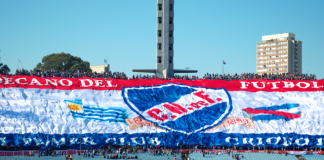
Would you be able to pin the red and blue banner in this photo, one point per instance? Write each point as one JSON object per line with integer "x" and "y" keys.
{"x": 50, "y": 112}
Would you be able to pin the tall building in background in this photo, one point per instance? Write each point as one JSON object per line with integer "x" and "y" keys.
{"x": 165, "y": 28}
{"x": 279, "y": 53}
{"x": 165, "y": 40}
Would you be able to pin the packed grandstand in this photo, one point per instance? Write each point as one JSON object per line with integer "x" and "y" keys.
{"x": 122, "y": 75}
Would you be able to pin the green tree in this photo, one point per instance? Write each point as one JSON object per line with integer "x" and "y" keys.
{"x": 39, "y": 66}
{"x": 4, "y": 68}
{"x": 80, "y": 66}
{"x": 55, "y": 61}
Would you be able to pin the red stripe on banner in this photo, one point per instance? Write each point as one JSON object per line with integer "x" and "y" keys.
{"x": 278, "y": 113}
{"x": 175, "y": 108}
{"x": 117, "y": 84}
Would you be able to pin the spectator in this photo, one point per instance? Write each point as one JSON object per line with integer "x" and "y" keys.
{"x": 121, "y": 75}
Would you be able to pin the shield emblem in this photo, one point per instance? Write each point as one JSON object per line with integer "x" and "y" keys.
{"x": 178, "y": 107}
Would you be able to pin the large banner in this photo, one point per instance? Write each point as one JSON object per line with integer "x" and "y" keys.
{"x": 50, "y": 112}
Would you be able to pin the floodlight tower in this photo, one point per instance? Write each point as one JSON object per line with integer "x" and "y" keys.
{"x": 165, "y": 41}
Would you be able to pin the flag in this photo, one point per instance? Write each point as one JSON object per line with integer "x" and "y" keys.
{"x": 63, "y": 63}
{"x": 105, "y": 61}
{"x": 316, "y": 153}
{"x": 286, "y": 111}
{"x": 298, "y": 152}
{"x": 96, "y": 113}
{"x": 264, "y": 66}
{"x": 224, "y": 62}
{"x": 19, "y": 61}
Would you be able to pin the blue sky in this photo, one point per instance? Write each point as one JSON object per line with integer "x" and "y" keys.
{"x": 206, "y": 32}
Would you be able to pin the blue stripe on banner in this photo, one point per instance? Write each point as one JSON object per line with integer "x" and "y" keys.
{"x": 117, "y": 109}
{"x": 99, "y": 115}
{"x": 95, "y": 140}
{"x": 269, "y": 117}
{"x": 146, "y": 98}
{"x": 277, "y": 107}
{"x": 101, "y": 112}
{"x": 250, "y": 115}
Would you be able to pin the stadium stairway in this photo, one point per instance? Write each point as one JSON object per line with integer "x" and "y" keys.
{"x": 312, "y": 157}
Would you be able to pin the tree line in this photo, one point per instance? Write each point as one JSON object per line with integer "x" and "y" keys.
{"x": 63, "y": 62}
{"x": 57, "y": 61}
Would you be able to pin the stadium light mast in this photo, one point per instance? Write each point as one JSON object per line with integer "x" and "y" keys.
{"x": 187, "y": 69}
{"x": 165, "y": 42}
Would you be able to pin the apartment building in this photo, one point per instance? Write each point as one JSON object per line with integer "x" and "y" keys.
{"x": 279, "y": 53}
{"x": 100, "y": 68}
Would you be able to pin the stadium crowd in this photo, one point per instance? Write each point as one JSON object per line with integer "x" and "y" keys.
{"x": 133, "y": 149}
{"x": 122, "y": 75}
{"x": 136, "y": 152}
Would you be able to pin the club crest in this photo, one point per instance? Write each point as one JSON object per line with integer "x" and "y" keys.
{"x": 178, "y": 107}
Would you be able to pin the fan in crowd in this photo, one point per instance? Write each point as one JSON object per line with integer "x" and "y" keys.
{"x": 122, "y": 75}
{"x": 150, "y": 149}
